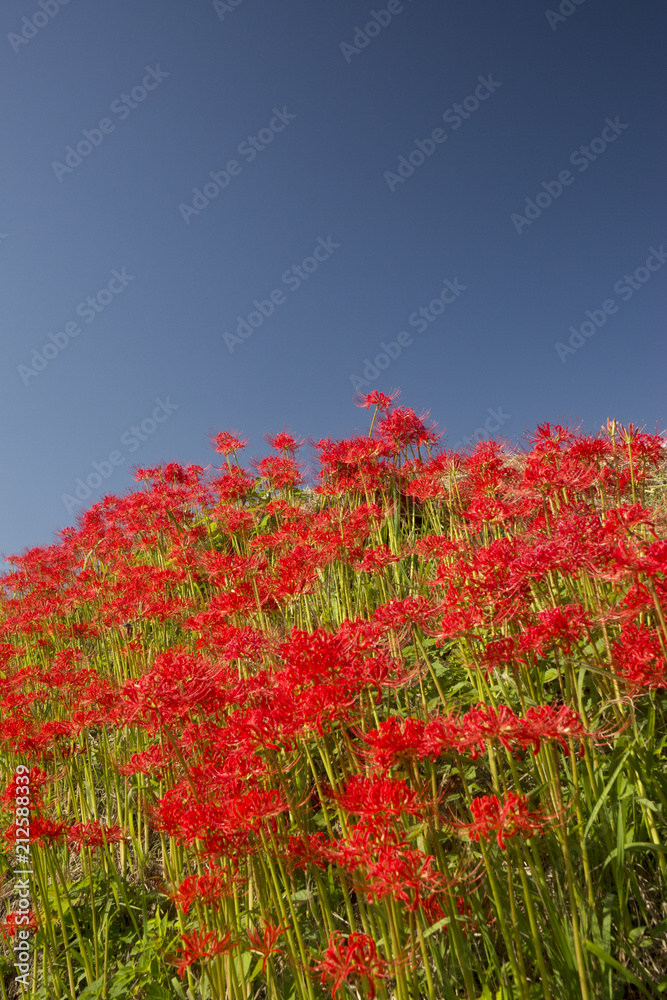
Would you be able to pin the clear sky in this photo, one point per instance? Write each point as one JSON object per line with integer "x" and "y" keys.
{"x": 235, "y": 215}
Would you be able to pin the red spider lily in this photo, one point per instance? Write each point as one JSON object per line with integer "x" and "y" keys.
{"x": 235, "y": 719}
{"x": 402, "y": 428}
{"x": 9, "y": 652}
{"x": 425, "y": 480}
{"x": 354, "y": 957}
{"x": 279, "y": 473}
{"x": 178, "y": 686}
{"x": 250, "y": 810}
{"x": 326, "y": 703}
{"x": 436, "y": 547}
{"x": 541, "y": 725}
{"x": 399, "y": 738}
{"x": 41, "y": 831}
{"x": 346, "y": 466}
{"x": 484, "y": 724}
{"x": 501, "y": 652}
{"x": 379, "y": 399}
{"x": 233, "y": 484}
{"x": 206, "y": 889}
{"x": 306, "y": 850}
{"x": 414, "y": 610}
{"x": 283, "y": 442}
{"x": 644, "y": 447}
{"x": 619, "y": 520}
{"x": 563, "y": 625}
{"x": 362, "y": 844}
{"x": 434, "y": 912}
{"x": 458, "y": 621}
{"x": 640, "y": 658}
{"x": 172, "y": 473}
{"x": 590, "y": 450}
{"x": 228, "y": 444}
{"x": 545, "y": 723}
{"x": 153, "y": 761}
{"x": 266, "y": 945}
{"x": 549, "y": 437}
{"x": 199, "y": 945}
{"x": 93, "y": 835}
{"x": 401, "y": 873}
{"x": 240, "y": 813}
{"x": 18, "y": 920}
{"x": 320, "y": 656}
{"x": 504, "y": 819}
{"x": 296, "y": 574}
{"x": 37, "y": 780}
{"x": 489, "y": 510}
{"x": 379, "y": 797}
{"x": 375, "y": 560}
{"x": 628, "y": 561}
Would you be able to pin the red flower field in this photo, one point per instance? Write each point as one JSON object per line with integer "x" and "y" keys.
{"x": 398, "y": 736}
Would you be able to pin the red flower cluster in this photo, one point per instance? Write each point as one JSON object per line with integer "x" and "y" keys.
{"x": 94, "y": 835}
{"x": 505, "y": 819}
{"x": 355, "y": 958}
{"x": 198, "y": 945}
{"x": 398, "y": 738}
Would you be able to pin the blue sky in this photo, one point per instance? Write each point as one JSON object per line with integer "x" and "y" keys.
{"x": 451, "y": 190}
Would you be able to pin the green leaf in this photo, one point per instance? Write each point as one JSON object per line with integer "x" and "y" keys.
{"x": 620, "y": 834}
{"x": 437, "y": 927}
{"x": 488, "y": 995}
{"x": 650, "y": 805}
{"x": 177, "y": 988}
{"x": 120, "y": 989}
{"x": 660, "y": 848}
{"x": 600, "y": 802}
{"x": 301, "y": 896}
{"x": 92, "y": 992}
{"x": 258, "y": 968}
{"x": 600, "y": 953}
